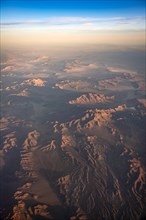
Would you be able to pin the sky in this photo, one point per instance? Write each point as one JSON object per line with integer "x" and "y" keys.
{"x": 45, "y": 22}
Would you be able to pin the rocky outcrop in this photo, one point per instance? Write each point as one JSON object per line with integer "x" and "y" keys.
{"x": 11, "y": 121}
{"x": 10, "y": 141}
{"x": 34, "y": 82}
{"x": 94, "y": 118}
{"x": 24, "y": 212}
{"x": 111, "y": 84}
{"x": 8, "y": 68}
{"x": 32, "y": 140}
{"x": 136, "y": 167}
{"x": 126, "y": 80}
{"x": 31, "y": 82}
{"x": 50, "y": 146}
{"x": 79, "y": 68}
{"x": 91, "y": 98}
{"x": 24, "y": 93}
{"x": 119, "y": 70}
{"x": 67, "y": 138}
{"x": 77, "y": 85}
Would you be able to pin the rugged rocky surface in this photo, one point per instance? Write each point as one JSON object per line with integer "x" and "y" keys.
{"x": 34, "y": 82}
{"x": 30, "y": 82}
{"x": 90, "y": 147}
{"x": 83, "y": 142}
{"x": 77, "y": 85}
{"x": 72, "y": 149}
{"x": 126, "y": 80}
{"x": 91, "y": 98}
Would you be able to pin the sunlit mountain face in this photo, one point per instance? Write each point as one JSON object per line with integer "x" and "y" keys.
{"x": 73, "y": 110}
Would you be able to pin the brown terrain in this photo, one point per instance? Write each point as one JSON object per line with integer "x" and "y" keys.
{"x": 91, "y": 147}
{"x": 126, "y": 81}
{"x": 77, "y": 85}
{"x": 91, "y": 98}
{"x": 72, "y": 149}
{"x": 77, "y": 67}
{"x": 30, "y": 82}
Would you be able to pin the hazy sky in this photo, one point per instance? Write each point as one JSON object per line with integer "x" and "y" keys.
{"x": 44, "y": 22}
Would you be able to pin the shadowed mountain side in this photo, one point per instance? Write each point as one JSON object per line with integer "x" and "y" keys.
{"x": 90, "y": 168}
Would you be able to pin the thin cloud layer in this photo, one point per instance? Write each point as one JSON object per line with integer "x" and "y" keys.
{"x": 75, "y": 20}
